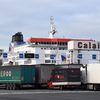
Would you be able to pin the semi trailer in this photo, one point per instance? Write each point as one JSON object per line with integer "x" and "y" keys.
{"x": 13, "y": 77}
{"x": 66, "y": 76}
{"x": 43, "y": 74}
{"x": 90, "y": 76}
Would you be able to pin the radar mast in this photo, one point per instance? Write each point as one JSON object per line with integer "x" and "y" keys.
{"x": 52, "y": 28}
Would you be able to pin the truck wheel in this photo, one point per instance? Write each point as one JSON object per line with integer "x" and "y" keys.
{"x": 94, "y": 87}
{"x": 83, "y": 87}
{"x": 7, "y": 86}
{"x": 10, "y": 86}
{"x": 61, "y": 87}
{"x": 13, "y": 86}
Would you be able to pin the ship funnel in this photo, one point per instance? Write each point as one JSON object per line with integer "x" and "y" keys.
{"x": 53, "y": 28}
{"x": 18, "y": 37}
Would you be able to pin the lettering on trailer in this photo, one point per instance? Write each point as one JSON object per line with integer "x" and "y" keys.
{"x": 89, "y": 45}
{"x": 5, "y": 73}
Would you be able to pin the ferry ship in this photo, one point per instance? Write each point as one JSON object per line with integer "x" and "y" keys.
{"x": 51, "y": 50}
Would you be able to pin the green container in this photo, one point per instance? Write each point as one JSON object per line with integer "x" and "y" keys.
{"x": 24, "y": 74}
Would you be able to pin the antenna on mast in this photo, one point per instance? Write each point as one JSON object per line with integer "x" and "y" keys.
{"x": 53, "y": 28}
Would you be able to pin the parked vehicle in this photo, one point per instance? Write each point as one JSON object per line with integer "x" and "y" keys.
{"x": 43, "y": 74}
{"x": 53, "y": 76}
{"x": 66, "y": 76}
{"x": 14, "y": 77}
{"x": 90, "y": 76}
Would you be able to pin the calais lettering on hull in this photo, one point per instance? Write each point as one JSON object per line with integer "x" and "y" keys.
{"x": 83, "y": 45}
{"x": 89, "y": 45}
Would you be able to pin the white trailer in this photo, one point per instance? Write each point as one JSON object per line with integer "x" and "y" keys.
{"x": 91, "y": 76}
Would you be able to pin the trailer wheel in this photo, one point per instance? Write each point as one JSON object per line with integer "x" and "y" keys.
{"x": 95, "y": 87}
{"x": 7, "y": 86}
{"x": 10, "y": 86}
{"x": 13, "y": 86}
{"x": 61, "y": 87}
{"x": 83, "y": 87}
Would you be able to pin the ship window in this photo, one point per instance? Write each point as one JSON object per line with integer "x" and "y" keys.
{"x": 53, "y": 61}
{"x": 47, "y": 61}
{"x": 66, "y": 43}
{"x": 48, "y": 42}
{"x": 16, "y": 63}
{"x": 28, "y": 61}
{"x": 41, "y": 42}
{"x": 36, "y": 56}
{"x": 79, "y": 51}
{"x": 17, "y": 58}
{"x": 47, "y": 55}
{"x": 65, "y": 48}
{"x": 52, "y": 43}
{"x": 0, "y": 54}
{"x": 62, "y": 43}
{"x": 55, "y": 42}
{"x": 59, "y": 48}
{"x": 54, "y": 48}
{"x": 44, "y": 42}
{"x": 62, "y": 48}
{"x": 36, "y": 43}
{"x": 79, "y": 61}
{"x": 59, "y": 43}
{"x": 29, "y": 55}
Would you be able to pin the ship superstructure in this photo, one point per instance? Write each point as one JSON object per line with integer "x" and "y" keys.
{"x": 38, "y": 51}
{"x": 50, "y": 50}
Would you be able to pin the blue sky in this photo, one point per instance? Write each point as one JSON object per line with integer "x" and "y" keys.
{"x": 73, "y": 18}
